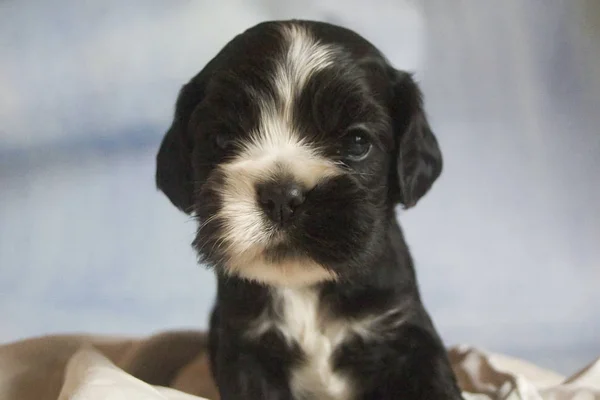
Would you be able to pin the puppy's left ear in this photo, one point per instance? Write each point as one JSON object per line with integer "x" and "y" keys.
{"x": 418, "y": 156}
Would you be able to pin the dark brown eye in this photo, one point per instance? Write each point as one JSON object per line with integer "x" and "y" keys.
{"x": 355, "y": 145}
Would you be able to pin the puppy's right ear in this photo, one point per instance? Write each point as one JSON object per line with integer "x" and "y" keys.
{"x": 174, "y": 172}
{"x": 174, "y": 175}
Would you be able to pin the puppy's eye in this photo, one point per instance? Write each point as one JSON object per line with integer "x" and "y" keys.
{"x": 223, "y": 141}
{"x": 355, "y": 145}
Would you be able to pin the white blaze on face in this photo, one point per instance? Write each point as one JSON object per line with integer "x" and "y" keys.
{"x": 274, "y": 147}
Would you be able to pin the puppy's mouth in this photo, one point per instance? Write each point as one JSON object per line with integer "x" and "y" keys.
{"x": 279, "y": 229}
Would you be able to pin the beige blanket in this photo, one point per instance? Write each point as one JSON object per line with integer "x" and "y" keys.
{"x": 173, "y": 366}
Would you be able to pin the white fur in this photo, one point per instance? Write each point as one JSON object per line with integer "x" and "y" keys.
{"x": 304, "y": 57}
{"x": 318, "y": 338}
{"x": 302, "y": 321}
{"x": 274, "y": 145}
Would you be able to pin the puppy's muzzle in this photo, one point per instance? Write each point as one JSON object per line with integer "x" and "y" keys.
{"x": 280, "y": 201}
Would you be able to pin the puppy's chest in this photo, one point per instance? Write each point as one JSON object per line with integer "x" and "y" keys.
{"x": 300, "y": 319}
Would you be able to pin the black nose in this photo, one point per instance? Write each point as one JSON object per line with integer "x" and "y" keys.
{"x": 280, "y": 201}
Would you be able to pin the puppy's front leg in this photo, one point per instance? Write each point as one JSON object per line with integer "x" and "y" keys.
{"x": 419, "y": 382}
{"x": 416, "y": 367}
{"x": 247, "y": 381}
{"x": 249, "y": 373}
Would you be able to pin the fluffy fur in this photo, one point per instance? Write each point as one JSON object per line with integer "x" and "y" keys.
{"x": 317, "y": 295}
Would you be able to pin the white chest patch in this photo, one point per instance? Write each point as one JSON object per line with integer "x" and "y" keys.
{"x": 303, "y": 324}
{"x": 301, "y": 321}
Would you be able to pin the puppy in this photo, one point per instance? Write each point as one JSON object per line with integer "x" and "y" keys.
{"x": 292, "y": 148}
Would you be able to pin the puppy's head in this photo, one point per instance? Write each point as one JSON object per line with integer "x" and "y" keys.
{"x": 292, "y": 147}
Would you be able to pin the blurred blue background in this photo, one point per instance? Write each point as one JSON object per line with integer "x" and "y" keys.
{"x": 507, "y": 245}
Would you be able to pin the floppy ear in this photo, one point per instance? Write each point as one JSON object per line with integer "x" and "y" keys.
{"x": 173, "y": 161}
{"x": 418, "y": 156}
{"x": 174, "y": 173}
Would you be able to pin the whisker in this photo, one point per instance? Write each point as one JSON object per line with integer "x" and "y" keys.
{"x": 208, "y": 221}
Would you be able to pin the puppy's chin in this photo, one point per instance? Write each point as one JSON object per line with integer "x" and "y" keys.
{"x": 328, "y": 239}
{"x": 290, "y": 271}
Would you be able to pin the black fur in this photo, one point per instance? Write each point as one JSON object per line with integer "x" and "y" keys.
{"x": 347, "y": 223}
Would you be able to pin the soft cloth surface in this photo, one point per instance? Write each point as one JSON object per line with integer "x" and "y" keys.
{"x": 173, "y": 366}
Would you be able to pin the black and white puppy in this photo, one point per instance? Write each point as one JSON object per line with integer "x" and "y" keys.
{"x": 292, "y": 148}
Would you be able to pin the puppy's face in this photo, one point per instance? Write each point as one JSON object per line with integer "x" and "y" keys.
{"x": 292, "y": 147}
